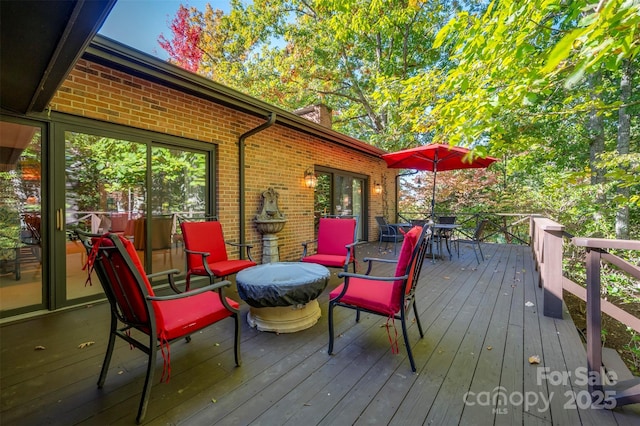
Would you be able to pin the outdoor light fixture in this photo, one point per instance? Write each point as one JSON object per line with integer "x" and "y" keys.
{"x": 377, "y": 188}
{"x": 310, "y": 178}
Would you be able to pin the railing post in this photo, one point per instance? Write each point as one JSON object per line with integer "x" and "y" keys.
{"x": 552, "y": 271}
{"x": 594, "y": 324}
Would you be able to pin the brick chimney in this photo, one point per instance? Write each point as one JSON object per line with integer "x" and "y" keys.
{"x": 319, "y": 113}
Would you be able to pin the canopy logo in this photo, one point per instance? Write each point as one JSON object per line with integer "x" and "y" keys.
{"x": 500, "y": 399}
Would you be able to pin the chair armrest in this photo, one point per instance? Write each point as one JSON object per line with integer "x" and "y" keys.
{"x": 205, "y": 264}
{"x": 370, "y": 277}
{"x": 203, "y": 253}
{"x": 304, "y": 245}
{"x": 356, "y": 243}
{"x": 371, "y": 260}
{"x": 211, "y": 287}
{"x": 170, "y": 276}
{"x": 377, "y": 259}
{"x": 167, "y": 272}
{"x": 239, "y": 245}
{"x": 389, "y": 230}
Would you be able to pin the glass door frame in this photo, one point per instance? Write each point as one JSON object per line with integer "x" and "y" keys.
{"x": 45, "y": 216}
{"x": 363, "y": 220}
{"x": 56, "y": 208}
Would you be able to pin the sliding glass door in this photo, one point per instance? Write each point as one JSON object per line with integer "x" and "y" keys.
{"x": 342, "y": 194}
{"x": 22, "y": 231}
{"x": 137, "y": 189}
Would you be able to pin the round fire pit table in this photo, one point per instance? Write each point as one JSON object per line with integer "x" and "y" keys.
{"x": 282, "y": 295}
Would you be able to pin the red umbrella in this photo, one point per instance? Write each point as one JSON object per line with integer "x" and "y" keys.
{"x": 435, "y": 157}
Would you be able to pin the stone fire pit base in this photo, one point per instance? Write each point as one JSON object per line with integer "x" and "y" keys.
{"x": 284, "y": 319}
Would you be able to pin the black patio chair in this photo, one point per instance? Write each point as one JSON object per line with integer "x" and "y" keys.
{"x": 447, "y": 235}
{"x": 160, "y": 319}
{"x": 390, "y": 297}
{"x": 388, "y": 233}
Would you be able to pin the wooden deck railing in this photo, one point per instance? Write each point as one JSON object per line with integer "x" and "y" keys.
{"x": 501, "y": 228}
{"x": 546, "y": 244}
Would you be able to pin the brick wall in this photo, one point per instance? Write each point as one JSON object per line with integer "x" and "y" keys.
{"x": 276, "y": 157}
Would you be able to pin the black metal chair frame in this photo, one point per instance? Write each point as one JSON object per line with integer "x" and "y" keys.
{"x": 388, "y": 232}
{"x": 102, "y": 262}
{"x": 351, "y": 248}
{"x": 212, "y": 276}
{"x": 476, "y": 239}
{"x": 408, "y": 302}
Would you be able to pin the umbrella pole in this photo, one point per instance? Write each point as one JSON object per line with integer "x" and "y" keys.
{"x": 433, "y": 194}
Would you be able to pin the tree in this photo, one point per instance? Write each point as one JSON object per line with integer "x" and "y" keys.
{"x": 348, "y": 54}
{"x": 543, "y": 73}
{"x": 184, "y": 48}
{"x": 538, "y": 83}
{"x": 624, "y": 136}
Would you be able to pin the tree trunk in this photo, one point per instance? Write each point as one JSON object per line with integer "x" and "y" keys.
{"x": 596, "y": 133}
{"x": 596, "y": 144}
{"x": 624, "y": 136}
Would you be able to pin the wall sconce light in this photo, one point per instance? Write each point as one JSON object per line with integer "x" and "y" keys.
{"x": 377, "y": 188}
{"x": 310, "y": 178}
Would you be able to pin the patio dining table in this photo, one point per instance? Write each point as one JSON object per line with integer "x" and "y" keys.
{"x": 439, "y": 230}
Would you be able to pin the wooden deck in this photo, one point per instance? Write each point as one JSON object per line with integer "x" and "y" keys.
{"x": 481, "y": 323}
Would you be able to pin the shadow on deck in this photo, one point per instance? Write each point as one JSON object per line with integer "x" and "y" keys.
{"x": 481, "y": 322}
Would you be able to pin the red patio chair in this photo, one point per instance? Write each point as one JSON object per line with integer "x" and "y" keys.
{"x": 207, "y": 252}
{"x": 391, "y": 297}
{"x": 162, "y": 319}
{"x": 335, "y": 245}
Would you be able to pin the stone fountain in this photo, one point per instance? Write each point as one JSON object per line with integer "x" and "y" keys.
{"x": 269, "y": 222}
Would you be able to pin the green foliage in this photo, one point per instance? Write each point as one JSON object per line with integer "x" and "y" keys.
{"x": 99, "y": 168}
{"x": 633, "y": 347}
{"x": 350, "y": 55}
{"x": 535, "y": 83}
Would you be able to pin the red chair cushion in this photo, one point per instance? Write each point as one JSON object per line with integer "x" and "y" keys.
{"x": 381, "y": 296}
{"x": 334, "y": 234}
{"x": 224, "y": 268}
{"x": 180, "y": 317}
{"x": 408, "y": 245}
{"x": 369, "y": 294}
{"x": 326, "y": 259}
{"x": 128, "y": 295}
{"x": 174, "y": 318}
{"x": 206, "y": 237}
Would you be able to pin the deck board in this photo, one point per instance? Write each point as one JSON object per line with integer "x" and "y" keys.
{"x": 478, "y": 337}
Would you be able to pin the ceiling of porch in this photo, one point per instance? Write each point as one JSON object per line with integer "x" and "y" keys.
{"x": 40, "y": 43}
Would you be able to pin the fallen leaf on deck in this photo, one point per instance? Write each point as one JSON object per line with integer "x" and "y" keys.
{"x": 85, "y": 344}
{"x": 39, "y": 348}
{"x": 529, "y": 304}
{"x": 534, "y": 359}
{"x": 489, "y": 348}
{"x": 213, "y": 400}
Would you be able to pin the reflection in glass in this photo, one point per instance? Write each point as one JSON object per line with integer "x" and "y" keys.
{"x": 21, "y": 238}
{"x": 105, "y": 191}
{"x": 178, "y": 184}
{"x": 341, "y": 195}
